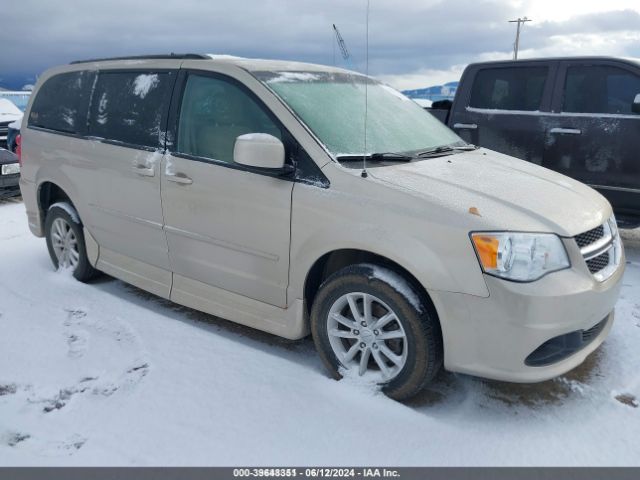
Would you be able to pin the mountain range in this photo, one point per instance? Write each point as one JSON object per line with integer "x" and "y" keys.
{"x": 434, "y": 93}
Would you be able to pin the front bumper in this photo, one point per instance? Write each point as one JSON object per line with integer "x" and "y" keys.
{"x": 9, "y": 185}
{"x": 492, "y": 337}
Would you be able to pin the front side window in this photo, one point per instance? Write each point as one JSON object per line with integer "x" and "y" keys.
{"x": 214, "y": 112}
{"x": 332, "y": 105}
{"x": 518, "y": 88}
{"x": 60, "y": 103}
{"x": 600, "y": 89}
{"x": 128, "y": 107}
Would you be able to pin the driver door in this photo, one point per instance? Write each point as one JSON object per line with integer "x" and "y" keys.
{"x": 227, "y": 227}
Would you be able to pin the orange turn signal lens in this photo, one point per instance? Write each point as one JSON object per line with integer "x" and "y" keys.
{"x": 487, "y": 248}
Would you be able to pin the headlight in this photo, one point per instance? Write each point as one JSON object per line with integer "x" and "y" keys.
{"x": 522, "y": 257}
{"x": 10, "y": 168}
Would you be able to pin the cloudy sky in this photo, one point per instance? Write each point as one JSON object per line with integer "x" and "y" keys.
{"x": 412, "y": 43}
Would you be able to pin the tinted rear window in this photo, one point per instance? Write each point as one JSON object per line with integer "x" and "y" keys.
{"x": 61, "y": 103}
{"x": 600, "y": 89}
{"x": 129, "y": 107}
{"x": 518, "y": 88}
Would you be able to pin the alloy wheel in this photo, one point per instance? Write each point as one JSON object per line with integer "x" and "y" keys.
{"x": 65, "y": 244}
{"x": 366, "y": 335}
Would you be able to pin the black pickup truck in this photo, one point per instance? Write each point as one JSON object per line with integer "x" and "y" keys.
{"x": 579, "y": 116}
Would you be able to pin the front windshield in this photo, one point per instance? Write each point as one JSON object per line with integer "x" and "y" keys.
{"x": 332, "y": 105}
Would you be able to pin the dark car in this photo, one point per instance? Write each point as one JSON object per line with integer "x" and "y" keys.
{"x": 579, "y": 116}
{"x": 9, "y": 174}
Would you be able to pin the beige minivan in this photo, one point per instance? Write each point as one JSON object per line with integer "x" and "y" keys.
{"x": 248, "y": 189}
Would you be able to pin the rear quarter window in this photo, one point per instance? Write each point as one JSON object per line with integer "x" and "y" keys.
{"x": 61, "y": 103}
{"x": 519, "y": 88}
{"x": 129, "y": 107}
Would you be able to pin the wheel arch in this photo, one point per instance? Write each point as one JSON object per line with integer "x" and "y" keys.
{"x": 49, "y": 193}
{"x": 335, "y": 260}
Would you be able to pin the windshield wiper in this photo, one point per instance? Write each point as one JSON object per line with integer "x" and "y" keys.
{"x": 445, "y": 150}
{"x": 378, "y": 157}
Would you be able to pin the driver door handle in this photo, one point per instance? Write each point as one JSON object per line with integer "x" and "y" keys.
{"x": 465, "y": 126}
{"x": 180, "y": 178}
{"x": 569, "y": 131}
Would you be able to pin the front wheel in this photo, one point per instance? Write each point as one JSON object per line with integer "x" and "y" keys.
{"x": 369, "y": 321}
{"x": 65, "y": 241}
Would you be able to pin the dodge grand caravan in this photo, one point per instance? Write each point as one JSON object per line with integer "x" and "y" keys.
{"x": 243, "y": 188}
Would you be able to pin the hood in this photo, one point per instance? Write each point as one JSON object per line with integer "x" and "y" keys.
{"x": 7, "y": 157}
{"x": 500, "y": 192}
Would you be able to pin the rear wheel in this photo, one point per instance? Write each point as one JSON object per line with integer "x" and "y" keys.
{"x": 369, "y": 321}
{"x": 65, "y": 241}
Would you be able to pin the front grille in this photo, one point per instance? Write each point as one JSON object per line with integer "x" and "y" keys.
{"x": 592, "y": 236}
{"x": 601, "y": 249}
{"x": 598, "y": 263}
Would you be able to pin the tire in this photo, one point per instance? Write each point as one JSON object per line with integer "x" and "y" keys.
{"x": 63, "y": 219}
{"x": 413, "y": 337}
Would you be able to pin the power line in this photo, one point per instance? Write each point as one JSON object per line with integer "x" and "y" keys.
{"x": 516, "y": 45}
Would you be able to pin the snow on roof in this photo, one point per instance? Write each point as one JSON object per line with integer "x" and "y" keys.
{"x": 8, "y": 108}
{"x": 284, "y": 65}
{"x": 249, "y": 64}
{"x": 259, "y": 64}
{"x": 224, "y": 56}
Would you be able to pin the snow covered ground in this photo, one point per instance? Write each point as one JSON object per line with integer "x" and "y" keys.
{"x": 105, "y": 374}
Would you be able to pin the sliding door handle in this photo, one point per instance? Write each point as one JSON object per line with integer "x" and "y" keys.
{"x": 179, "y": 178}
{"x": 465, "y": 126}
{"x": 568, "y": 131}
{"x": 144, "y": 171}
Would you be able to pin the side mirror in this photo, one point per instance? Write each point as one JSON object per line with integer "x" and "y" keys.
{"x": 442, "y": 105}
{"x": 259, "y": 151}
{"x": 635, "y": 107}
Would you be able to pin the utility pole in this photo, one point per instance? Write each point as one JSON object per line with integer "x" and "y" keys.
{"x": 519, "y": 21}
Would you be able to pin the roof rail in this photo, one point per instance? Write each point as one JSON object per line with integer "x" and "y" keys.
{"x": 166, "y": 56}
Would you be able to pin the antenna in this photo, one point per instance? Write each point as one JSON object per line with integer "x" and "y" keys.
{"x": 366, "y": 99}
